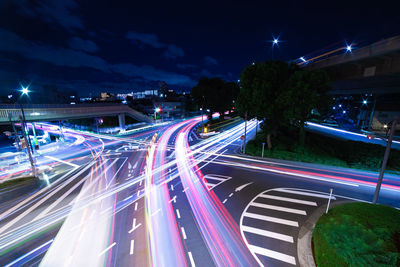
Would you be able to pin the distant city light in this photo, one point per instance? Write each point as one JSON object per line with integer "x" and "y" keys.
{"x": 365, "y": 102}
{"x": 157, "y": 110}
{"x": 303, "y": 59}
{"x": 348, "y": 48}
{"x": 334, "y": 108}
{"x": 10, "y": 96}
{"x": 239, "y": 81}
{"x": 340, "y": 105}
{"x": 276, "y": 41}
{"x": 344, "y": 111}
{"x": 385, "y": 126}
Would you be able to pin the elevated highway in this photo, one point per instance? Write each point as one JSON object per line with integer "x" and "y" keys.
{"x": 54, "y": 112}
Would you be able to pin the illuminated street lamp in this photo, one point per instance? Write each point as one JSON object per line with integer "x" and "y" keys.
{"x": 27, "y": 140}
{"x": 156, "y": 110}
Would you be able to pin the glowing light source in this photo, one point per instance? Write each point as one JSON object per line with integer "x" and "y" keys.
{"x": 385, "y": 126}
{"x": 348, "y": 48}
{"x": 157, "y": 110}
{"x": 275, "y": 41}
{"x": 25, "y": 90}
{"x": 344, "y": 111}
{"x": 365, "y": 102}
{"x": 303, "y": 59}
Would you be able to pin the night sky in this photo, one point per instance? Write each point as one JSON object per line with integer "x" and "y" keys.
{"x": 120, "y": 46}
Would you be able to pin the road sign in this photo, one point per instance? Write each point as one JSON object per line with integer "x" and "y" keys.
{"x": 242, "y": 137}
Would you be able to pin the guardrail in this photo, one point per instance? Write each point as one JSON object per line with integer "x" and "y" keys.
{"x": 48, "y": 112}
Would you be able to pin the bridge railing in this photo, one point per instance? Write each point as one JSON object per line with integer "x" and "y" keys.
{"x": 35, "y": 112}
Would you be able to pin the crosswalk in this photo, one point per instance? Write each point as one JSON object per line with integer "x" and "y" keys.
{"x": 213, "y": 180}
{"x": 271, "y": 222}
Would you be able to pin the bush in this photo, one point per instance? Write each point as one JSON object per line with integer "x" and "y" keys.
{"x": 358, "y": 234}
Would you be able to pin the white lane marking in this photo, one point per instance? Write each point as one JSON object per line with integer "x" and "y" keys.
{"x": 223, "y": 202}
{"x": 173, "y": 199}
{"x": 183, "y": 233}
{"x": 271, "y": 219}
{"x": 138, "y": 192}
{"x": 266, "y": 233}
{"x": 287, "y": 199}
{"x": 134, "y": 226}
{"x": 127, "y": 198}
{"x": 44, "y": 199}
{"x": 231, "y": 194}
{"x": 191, "y": 259}
{"x": 273, "y": 207}
{"x": 242, "y": 186}
{"x": 178, "y": 214}
{"x": 136, "y": 204}
{"x": 184, "y": 190}
{"x": 34, "y": 196}
{"x": 62, "y": 161}
{"x": 273, "y": 254}
{"x": 154, "y": 213}
{"x": 303, "y": 193}
{"x": 107, "y": 249}
{"x": 58, "y": 201}
{"x": 132, "y": 247}
{"x": 250, "y": 167}
{"x": 217, "y": 177}
{"x": 172, "y": 187}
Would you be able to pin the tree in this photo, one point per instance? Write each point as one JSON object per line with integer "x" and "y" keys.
{"x": 260, "y": 86}
{"x": 306, "y": 91}
{"x": 214, "y": 94}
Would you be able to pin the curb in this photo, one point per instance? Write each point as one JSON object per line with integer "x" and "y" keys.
{"x": 304, "y": 240}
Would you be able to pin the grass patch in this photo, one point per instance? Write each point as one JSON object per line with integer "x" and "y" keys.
{"x": 358, "y": 234}
{"x": 325, "y": 150}
{"x": 16, "y": 181}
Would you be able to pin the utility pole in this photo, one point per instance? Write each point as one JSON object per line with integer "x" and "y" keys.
{"x": 245, "y": 132}
{"x": 24, "y": 128}
{"x": 385, "y": 159}
{"x": 29, "y": 151}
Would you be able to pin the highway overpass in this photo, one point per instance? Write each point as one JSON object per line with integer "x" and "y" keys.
{"x": 55, "y": 112}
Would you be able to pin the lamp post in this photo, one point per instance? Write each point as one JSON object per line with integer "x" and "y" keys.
{"x": 385, "y": 159}
{"x": 275, "y": 41}
{"x": 28, "y": 143}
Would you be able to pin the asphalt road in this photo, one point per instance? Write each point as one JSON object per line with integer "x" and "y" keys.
{"x": 173, "y": 200}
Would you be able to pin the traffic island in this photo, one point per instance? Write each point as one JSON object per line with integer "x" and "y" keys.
{"x": 358, "y": 234}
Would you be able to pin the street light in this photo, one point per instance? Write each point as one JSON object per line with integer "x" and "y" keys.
{"x": 25, "y": 90}
{"x": 349, "y": 48}
{"x": 275, "y": 41}
{"x": 156, "y": 110}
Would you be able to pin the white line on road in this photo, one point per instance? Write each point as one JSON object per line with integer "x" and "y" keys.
{"x": 136, "y": 204}
{"x": 107, "y": 249}
{"x": 266, "y": 233}
{"x": 178, "y": 214}
{"x": 62, "y": 161}
{"x": 287, "y": 199}
{"x": 184, "y": 190}
{"x": 273, "y": 207}
{"x": 154, "y": 213}
{"x": 242, "y": 186}
{"x": 172, "y": 187}
{"x": 303, "y": 193}
{"x": 271, "y": 219}
{"x": 132, "y": 247}
{"x": 223, "y": 202}
{"x": 183, "y": 233}
{"x": 191, "y": 259}
{"x": 273, "y": 254}
{"x": 231, "y": 194}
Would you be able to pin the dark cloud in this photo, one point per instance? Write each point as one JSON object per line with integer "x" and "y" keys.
{"x": 148, "y": 39}
{"x": 72, "y": 58}
{"x": 84, "y": 45}
{"x": 186, "y": 66}
{"x": 210, "y": 60}
{"x": 51, "y": 11}
{"x": 173, "y": 52}
{"x": 144, "y": 38}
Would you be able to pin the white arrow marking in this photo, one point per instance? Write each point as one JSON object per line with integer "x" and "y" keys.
{"x": 241, "y": 187}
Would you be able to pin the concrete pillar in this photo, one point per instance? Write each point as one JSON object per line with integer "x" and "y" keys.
{"x": 121, "y": 120}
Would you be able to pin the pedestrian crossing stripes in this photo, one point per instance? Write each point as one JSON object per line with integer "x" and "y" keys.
{"x": 270, "y": 223}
